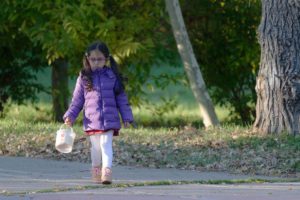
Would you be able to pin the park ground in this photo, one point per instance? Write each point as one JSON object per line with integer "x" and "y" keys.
{"x": 229, "y": 161}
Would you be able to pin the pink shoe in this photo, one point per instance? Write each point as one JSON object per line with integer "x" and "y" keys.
{"x": 96, "y": 174}
{"x": 106, "y": 176}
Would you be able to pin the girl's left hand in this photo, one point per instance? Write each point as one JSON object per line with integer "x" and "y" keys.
{"x": 126, "y": 124}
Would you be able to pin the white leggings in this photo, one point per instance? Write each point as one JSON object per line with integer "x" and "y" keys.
{"x": 102, "y": 148}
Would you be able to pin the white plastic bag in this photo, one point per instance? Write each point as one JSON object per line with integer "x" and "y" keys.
{"x": 65, "y": 137}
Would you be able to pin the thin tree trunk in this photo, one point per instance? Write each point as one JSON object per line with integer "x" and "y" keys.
{"x": 190, "y": 64}
{"x": 59, "y": 88}
{"x": 278, "y": 80}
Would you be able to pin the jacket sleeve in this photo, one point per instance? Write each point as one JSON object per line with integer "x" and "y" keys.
{"x": 77, "y": 101}
{"x": 124, "y": 106}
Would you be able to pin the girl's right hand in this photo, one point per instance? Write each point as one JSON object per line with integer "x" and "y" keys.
{"x": 68, "y": 121}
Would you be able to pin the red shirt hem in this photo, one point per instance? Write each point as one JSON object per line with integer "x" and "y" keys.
{"x": 94, "y": 132}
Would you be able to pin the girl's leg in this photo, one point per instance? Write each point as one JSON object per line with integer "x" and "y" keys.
{"x": 96, "y": 158}
{"x": 106, "y": 148}
{"x": 95, "y": 150}
{"x": 107, "y": 156}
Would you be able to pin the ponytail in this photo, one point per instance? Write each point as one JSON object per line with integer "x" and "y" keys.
{"x": 120, "y": 79}
{"x": 86, "y": 74}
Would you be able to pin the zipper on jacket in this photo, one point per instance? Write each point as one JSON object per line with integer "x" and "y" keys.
{"x": 101, "y": 103}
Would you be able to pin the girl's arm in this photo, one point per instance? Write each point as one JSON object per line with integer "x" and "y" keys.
{"x": 76, "y": 103}
{"x": 124, "y": 107}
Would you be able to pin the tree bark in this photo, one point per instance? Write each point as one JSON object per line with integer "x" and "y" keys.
{"x": 278, "y": 80}
{"x": 59, "y": 88}
{"x": 190, "y": 64}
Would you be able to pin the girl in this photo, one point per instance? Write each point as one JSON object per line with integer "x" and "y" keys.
{"x": 99, "y": 91}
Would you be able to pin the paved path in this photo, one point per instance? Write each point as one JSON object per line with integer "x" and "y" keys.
{"x": 23, "y": 177}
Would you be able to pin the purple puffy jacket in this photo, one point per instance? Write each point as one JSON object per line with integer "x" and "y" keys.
{"x": 101, "y": 106}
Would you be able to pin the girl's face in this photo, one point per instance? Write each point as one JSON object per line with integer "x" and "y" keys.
{"x": 96, "y": 59}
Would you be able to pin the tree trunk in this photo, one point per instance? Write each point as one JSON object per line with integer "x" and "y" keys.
{"x": 190, "y": 64}
{"x": 278, "y": 80}
{"x": 3, "y": 99}
{"x": 59, "y": 88}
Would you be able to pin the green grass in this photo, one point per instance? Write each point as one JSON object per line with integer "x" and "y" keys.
{"x": 182, "y": 115}
{"x": 149, "y": 183}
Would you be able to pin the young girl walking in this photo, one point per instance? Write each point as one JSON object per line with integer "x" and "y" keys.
{"x": 99, "y": 91}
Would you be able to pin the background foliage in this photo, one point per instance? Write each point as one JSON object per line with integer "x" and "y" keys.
{"x": 223, "y": 34}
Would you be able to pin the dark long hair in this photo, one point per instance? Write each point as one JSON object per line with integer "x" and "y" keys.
{"x": 86, "y": 71}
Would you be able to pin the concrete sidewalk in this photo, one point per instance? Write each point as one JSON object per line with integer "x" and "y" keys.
{"x": 28, "y": 175}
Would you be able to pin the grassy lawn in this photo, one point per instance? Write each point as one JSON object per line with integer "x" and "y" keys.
{"x": 26, "y": 131}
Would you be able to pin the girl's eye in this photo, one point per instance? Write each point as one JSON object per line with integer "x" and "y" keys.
{"x": 97, "y": 59}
